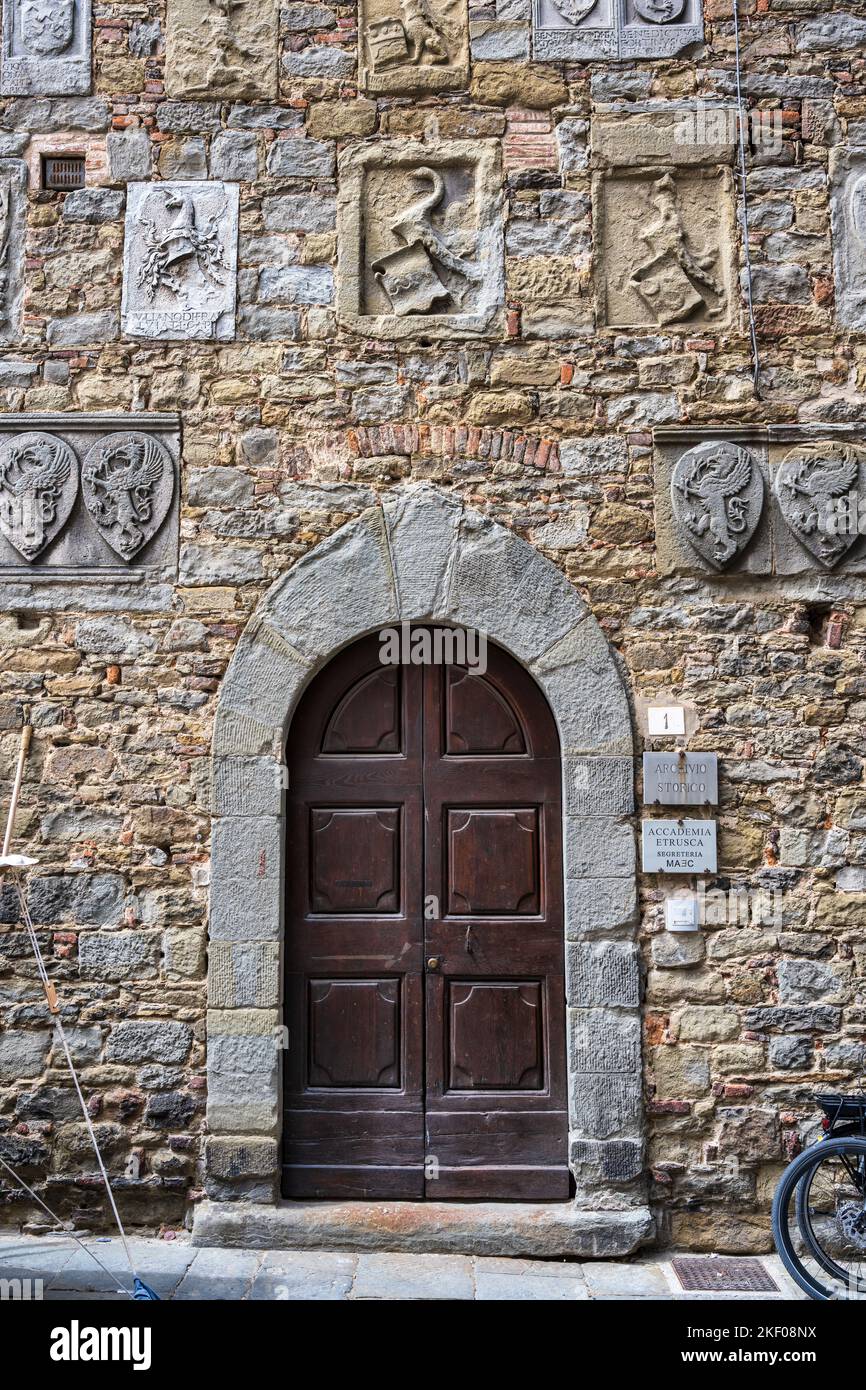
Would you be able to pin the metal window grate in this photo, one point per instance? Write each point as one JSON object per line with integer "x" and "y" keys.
{"x": 63, "y": 171}
{"x": 705, "y": 1273}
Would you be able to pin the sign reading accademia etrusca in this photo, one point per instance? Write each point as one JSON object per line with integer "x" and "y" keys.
{"x": 680, "y": 779}
{"x": 679, "y": 846}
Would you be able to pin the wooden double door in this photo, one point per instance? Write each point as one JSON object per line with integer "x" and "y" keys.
{"x": 425, "y": 993}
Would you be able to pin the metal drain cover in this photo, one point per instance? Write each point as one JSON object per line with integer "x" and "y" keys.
{"x": 705, "y": 1273}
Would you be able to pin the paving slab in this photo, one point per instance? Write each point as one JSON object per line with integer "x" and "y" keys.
{"x": 413, "y": 1277}
{"x": 788, "y": 1289}
{"x": 73, "y": 1296}
{"x": 161, "y": 1264}
{"x": 177, "y": 1269}
{"x": 313, "y": 1274}
{"x": 612, "y": 1279}
{"x": 226, "y": 1275}
{"x": 34, "y": 1259}
{"x": 543, "y": 1269}
{"x": 514, "y": 1288}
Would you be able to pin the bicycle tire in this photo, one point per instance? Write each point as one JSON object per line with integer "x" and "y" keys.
{"x": 788, "y": 1187}
{"x": 802, "y": 1216}
{"x": 804, "y": 1223}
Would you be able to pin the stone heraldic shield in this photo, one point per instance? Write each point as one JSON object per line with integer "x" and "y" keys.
{"x": 128, "y": 484}
{"x": 717, "y": 494}
{"x": 575, "y": 10}
{"x": 386, "y": 40}
{"x": 660, "y": 11}
{"x": 38, "y": 488}
{"x": 818, "y": 489}
{"x": 180, "y": 260}
{"x": 47, "y": 26}
{"x": 409, "y": 279}
{"x": 46, "y": 48}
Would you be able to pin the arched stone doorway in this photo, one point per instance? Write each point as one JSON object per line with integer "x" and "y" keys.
{"x": 420, "y": 557}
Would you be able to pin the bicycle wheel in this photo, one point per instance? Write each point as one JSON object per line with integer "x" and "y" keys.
{"x": 826, "y": 1188}
{"x": 804, "y": 1223}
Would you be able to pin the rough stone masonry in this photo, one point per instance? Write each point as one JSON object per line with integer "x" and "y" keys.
{"x": 320, "y": 254}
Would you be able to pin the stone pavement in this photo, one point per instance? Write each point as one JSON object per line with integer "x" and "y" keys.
{"x": 177, "y": 1270}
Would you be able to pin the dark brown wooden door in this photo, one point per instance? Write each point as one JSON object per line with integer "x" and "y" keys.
{"x": 424, "y": 944}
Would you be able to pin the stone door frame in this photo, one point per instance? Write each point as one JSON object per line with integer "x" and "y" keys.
{"x": 422, "y": 557}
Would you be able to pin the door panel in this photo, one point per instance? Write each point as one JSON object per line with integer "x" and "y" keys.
{"x": 354, "y": 1033}
{"x": 495, "y": 1035}
{"x": 425, "y": 989}
{"x": 354, "y": 1069}
{"x": 368, "y": 718}
{"x": 355, "y": 859}
{"x": 495, "y": 1105}
{"x": 492, "y": 860}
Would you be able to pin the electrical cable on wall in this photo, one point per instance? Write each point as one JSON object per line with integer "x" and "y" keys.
{"x": 744, "y": 209}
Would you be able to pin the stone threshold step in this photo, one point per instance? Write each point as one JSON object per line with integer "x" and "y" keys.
{"x": 528, "y": 1229}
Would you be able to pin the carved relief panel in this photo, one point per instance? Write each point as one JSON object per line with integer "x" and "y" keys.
{"x": 564, "y": 29}
{"x": 665, "y": 247}
{"x": 848, "y": 216}
{"x": 413, "y": 45}
{"x": 776, "y": 500}
{"x": 420, "y": 239}
{"x": 712, "y": 489}
{"x": 94, "y": 496}
{"x": 717, "y": 495}
{"x": 46, "y": 48}
{"x": 222, "y": 49}
{"x": 180, "y": 260}
{"x": 659, "y": 28}
{"x": 819, "y": 488}
{"x": 13, "y": 219}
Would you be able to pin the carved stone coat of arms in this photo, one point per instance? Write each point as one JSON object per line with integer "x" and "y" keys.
{"x": 717, "y": 492}
{"x": 46, "y": 47}
{"x": 818, "y": 488}
{"x": 128, "y": 484}
{"x": 47, "y": 26}
{"x": 38, "y": 487}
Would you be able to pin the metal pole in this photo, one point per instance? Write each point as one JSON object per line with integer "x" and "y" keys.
{"x": 26, "y": 736}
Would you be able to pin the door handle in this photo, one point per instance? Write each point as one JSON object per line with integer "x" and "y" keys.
{"x": 434, "y": 962}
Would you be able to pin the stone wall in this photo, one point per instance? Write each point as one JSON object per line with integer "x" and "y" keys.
{"x": 532, "y": 393}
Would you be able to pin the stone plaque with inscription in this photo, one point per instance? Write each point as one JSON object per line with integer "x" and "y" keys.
{"x": 180, "y": 261}
{"x": 680, "y": 779}
{"x": 678, "y": 846}
{"x": 222, "y": 49}
{"x": 413, "y": 45}
{"x": 420, "y": 239}
{"x": 567, "y": 29}
{"x": 46, "y": 48}
{"x": 659, "y": 28}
